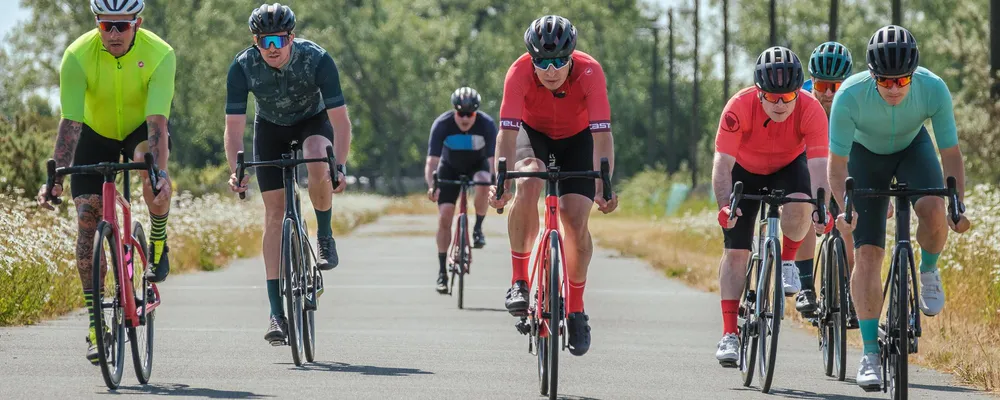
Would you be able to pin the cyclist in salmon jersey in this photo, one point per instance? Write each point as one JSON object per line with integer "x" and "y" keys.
{"x": 771, "y": 135}
{"x": 829, "y": 64}
{"x": 116, "y": 83}
{"x": 555, "y": 103}
{"x": 877, "y": 133}
{"x": 296, "y": 88}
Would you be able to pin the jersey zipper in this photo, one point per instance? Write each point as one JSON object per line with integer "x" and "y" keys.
{"x": 118, "y": 98}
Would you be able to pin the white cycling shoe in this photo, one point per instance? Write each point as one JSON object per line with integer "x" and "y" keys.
{"x": 931, "y": 293}
{"x": 870, "y": 373}
{"x": 728, "y": 352}
{"x": 790, "y": 278}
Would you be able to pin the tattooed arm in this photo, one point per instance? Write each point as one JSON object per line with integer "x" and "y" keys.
{"x": 158, "y": 137}
{"x": 66, "y": 141}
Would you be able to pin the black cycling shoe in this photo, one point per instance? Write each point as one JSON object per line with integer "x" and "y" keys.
{"x": 805, "y": 303}
{"x": 517, "y": 299}
{"x": 852, "y": 317}
{"x": 442, "y": 283}
{"x": 158, "y": 271}
{"x": 327, "y": 253}
{"x": 478, "y": 239}
{"x": 276, "y": 331}
{"x": 579, "y": 333}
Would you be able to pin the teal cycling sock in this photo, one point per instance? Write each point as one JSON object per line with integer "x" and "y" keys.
{"x": 806, "y": 274}
{"x": 274, "y": 296}
{"x": 323, "y": 226}
{"x": 928, "y": 261}
{"x": 869, "y": 334}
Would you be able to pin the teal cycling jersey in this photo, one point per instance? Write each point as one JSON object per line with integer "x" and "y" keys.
{"x": 859, "y": 114}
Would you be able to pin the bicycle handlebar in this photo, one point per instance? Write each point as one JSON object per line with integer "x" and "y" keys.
{"x": 819, "y": 201}
{"x": 457, "y": 182}
{"x": 242, "y": 165}
{"x": 951, "y": 191}
{"x": 554, "y": 175}
{"x": 104, "y": 168}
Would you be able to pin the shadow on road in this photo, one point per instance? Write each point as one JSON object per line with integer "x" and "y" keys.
{"x": 571, "y": 397}
{"x": 360, "y": 369}
{"x": 487, "y": 309}
{"x": 803, "y": 394}
{"x": 178, "y": 389}
{"x": 938, "y": 388}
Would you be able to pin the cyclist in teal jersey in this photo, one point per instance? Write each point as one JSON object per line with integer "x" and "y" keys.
{"x": 877, "y": 134}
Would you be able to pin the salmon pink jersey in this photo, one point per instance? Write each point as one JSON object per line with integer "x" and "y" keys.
{"x": 581, "y": 101}
{"x": 762, "y": 146}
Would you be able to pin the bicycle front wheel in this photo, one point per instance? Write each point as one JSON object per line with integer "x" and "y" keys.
{"x": 309, "y": 313}
{"x": 106, "y": 309}
{"x": 291, "y": 272}
{"x": 556, "y": 313}
{"x": 463, "y": 257}
{"x": 141, "y": 336}
{"x": 840, "y": 317}
{"x": 827, "y": 305}
{"x": 747, "y": 323}
{"x": 897, "y": 330}
{"x": 770, "y": 308}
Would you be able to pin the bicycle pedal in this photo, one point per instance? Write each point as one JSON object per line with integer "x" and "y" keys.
{"x": 518, "y": 313}
{"x": 277, "y": 343}
{"x": 728, "y": 363}
{"x": 872, "y": 389}
{"x": 523, "y": 326}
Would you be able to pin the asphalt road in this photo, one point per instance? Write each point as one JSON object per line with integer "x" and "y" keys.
{"x": 384, "y": 333}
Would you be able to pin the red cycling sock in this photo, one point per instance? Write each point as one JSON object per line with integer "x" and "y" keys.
{"x": 788, "y": 248}
{"x": 520, "y": 264}
{"x": 729, "y": 309}
{"x": 575, "y": 301}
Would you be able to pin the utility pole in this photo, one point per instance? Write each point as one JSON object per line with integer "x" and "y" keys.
{"x": 833, "y": 21}
{"x": 671, "y": 137}
{"x": 651, "y": 143}
{"x": 725, "y": 51}
{"x": 774, "y": 23}
{"x": 695, "y": 128}
{"x": 897, "y": 13}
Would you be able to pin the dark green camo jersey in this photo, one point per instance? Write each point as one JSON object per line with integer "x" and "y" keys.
{"x": 308, "y": 84}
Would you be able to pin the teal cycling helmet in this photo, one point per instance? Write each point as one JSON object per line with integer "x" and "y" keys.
{"x": 830, "y": 61}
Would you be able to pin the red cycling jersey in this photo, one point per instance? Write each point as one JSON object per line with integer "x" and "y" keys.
{"x": 581, "y": 102}
{"x": 762, "y": 146}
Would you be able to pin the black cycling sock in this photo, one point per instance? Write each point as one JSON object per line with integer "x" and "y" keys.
{"x": 479, "y": 223}
{"x": 274, "y": 298}
{"x": 442, "y": 259}
{"x": 806, "y": 274}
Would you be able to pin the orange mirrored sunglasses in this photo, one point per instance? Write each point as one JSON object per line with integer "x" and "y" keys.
{"x": 887, "y": 83}
{"x": 774, "y": 97}
{"x": 823, "y": 86}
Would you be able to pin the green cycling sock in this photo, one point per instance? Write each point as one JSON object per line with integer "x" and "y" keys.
{"x": 928, "y": 261}
{"x": 274, "y": 296}
{"x": 323, "y": 226}
{"x": 869, "y": 335}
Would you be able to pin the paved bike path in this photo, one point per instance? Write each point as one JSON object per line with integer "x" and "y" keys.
{"x": 384, "y": 333}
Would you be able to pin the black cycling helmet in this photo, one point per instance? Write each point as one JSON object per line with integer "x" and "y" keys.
{"x": 778, "y": 70}
{"x": 550, "y": 36}
{"x": 892, "y": 51}
{"x": 465, "y": 99}
{"x": 272, "y": 18}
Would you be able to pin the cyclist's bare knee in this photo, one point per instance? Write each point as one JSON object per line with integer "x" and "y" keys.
{"x": 930, "y": 210}
{"x": 274, "y": 207}
{"x": 446, "y": 212}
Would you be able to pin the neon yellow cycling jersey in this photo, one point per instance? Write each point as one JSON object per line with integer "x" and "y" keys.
{"x": 113, "y": 96}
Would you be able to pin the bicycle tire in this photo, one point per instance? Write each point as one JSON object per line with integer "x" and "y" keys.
{"x": 110, "y": 359}
{"x": 291, "y": 276}
{"x": 141, "y": 337}
{"x": 556, "y": 313}
{"x": 541, "y": 347}
{"x": 827, "y": 303}
{"x": 897, "y": 352}
{"x": 770, "y": 301}
{"x": 463, "y": 242}
{"x": 747, "y": 311}
{"x": 309, "y": 316}
{"x": 840, "y": 320}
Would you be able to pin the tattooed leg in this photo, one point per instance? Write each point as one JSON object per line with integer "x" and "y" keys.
{"x": 88, "y": 211}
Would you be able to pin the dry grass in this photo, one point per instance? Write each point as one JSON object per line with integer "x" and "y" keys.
{"x": 964, "y": 339}
{"x": 414, "y": 204}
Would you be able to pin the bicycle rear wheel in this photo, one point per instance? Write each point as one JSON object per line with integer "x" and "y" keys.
{"x": 291, "y": 275}
{"x": 555, "y": 313}
{"x": 106, "y": 309}
{"x": 770, "y": 308}
{"x": 463, "y": 257}
{"x": 897, "y": 351}
{"x": 141, "y": 337}
{"x": 309, "y": 314}
{"x": 746, "y": 323}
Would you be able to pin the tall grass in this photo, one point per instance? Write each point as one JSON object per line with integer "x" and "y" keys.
{"x": 963, "y": 339}
{"x": 38, "y": 276}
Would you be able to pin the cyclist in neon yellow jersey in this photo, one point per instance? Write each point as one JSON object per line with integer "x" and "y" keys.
{"x": 116, "y": 83}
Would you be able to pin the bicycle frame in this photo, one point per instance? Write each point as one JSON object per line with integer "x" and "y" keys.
{"x": 539, "y": 273}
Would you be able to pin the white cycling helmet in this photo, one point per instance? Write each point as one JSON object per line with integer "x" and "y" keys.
{"x": 116, "y": 7}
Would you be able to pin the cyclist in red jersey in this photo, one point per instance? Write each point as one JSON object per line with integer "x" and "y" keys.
{"x": 771, "y": 135}
{"x": 555, "y": 105}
